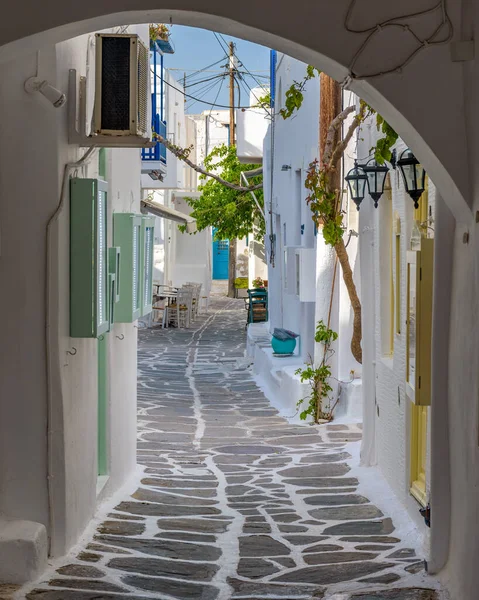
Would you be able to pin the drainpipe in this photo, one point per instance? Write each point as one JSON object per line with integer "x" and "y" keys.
{"x": 440, "y": 499}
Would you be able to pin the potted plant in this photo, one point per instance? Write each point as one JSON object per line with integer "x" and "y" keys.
{"x": 159, "y": 31}
{"x": 283, "y": 341}
{"x": 258, "y": 283}
{"x": 160, "y": 38}
{"x": 241, "y": 283}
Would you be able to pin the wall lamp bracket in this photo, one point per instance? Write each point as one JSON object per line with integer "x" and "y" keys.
{"x": 56, "y": 97}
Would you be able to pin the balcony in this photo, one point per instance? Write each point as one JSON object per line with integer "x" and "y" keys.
{"x": 158, "y": 152}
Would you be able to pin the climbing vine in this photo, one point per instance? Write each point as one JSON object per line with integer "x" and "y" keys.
{"x": 325, "y": 199}
{"x": 294, "y": 94}
{"x": 382, "y": 150}
{"x": 319, "y": 401}
{"x": 294, "y": 99}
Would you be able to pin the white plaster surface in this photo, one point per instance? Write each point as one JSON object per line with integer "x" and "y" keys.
{"x": 389, "y": 434}
{"x": 55, "y": 488}
{"x": 23, "y": 550}
{"x": 439, "y": 120}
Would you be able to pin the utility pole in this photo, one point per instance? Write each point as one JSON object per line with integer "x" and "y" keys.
{"x": 184, "y": 86}
{"x": 232, "y": 94}
{"x": 232, "y": 243}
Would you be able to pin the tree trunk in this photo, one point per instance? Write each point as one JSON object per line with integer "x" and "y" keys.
{"x": 329, "y": 108}
{"x": 343, "y": 258}
{"x": 232, "y": 268}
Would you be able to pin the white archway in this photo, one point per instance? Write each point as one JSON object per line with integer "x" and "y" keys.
{"x": 414, "y": 102}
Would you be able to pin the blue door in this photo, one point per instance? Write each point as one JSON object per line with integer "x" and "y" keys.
{"x": 220, "y": 258}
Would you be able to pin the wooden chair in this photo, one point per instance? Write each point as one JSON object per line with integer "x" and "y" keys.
{"x": 196, "y": 288}
{"x": 179, "y": 310}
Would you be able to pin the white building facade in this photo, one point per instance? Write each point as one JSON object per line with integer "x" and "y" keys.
{"x": 179, "y": 257}
{"x": 301, "y": 268}
{"x": 66, "y": 444}
{"x": 397, "y": 267}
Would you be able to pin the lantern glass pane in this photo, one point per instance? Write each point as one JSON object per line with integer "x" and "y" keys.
{"x": 357, "y": 182}
{"x": 376, "y": 181}
{"x": 420, "y": 177}
{"x": 409, "y": 174}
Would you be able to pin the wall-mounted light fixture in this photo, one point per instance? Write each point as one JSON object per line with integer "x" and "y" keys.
{"x": 376, "y": 177}
{"x": 413, "y": 174}
{"x": 356, "y": 179}
{"x": 56, "y": 97}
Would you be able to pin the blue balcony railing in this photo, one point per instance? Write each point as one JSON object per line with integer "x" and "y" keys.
{"x": 158, "y": 152}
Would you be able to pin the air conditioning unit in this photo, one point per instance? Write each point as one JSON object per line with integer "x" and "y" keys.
{"x": 122, "y": 95}
{"x": 121, "y": 86}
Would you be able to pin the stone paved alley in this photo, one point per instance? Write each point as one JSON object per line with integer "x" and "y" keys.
{"x": 234, "y": 501}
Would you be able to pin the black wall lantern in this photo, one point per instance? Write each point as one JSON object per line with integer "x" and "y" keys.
{"x": 413, "y": 174}
{"x": 357, "y": 180}
{"x": 376, "y": 175}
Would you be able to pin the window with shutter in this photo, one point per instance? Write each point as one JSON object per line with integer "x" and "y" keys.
{"x": 147, "y": 264}
{"x": 127, "y": 237}
{"x": 88, "y": 258}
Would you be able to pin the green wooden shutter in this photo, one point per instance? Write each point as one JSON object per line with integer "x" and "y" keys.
{"x": 114, "y": 255}
{"x": 127, "y": 237}
{"x": 88, "y": 258}
{"x": 147, "y": 245}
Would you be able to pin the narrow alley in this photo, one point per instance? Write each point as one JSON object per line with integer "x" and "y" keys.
{"x": 234, "y": 501}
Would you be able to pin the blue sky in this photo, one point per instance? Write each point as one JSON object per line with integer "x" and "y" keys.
{"x": 196, "y": 49}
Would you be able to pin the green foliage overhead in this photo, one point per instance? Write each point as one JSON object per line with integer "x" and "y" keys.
{"x": 264, "y": 102}
{"x": 231, "y": 212}
{"x": 294, "y": 99}
{"x": 382, "y": 150}
{"x": 294, "y": 94}
{"x": 323, "y": 204}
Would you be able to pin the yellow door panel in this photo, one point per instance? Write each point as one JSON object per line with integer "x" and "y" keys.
{"x": 419, "y": 416}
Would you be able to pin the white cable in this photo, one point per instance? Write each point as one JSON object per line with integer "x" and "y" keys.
{"x": 397, "y": 21}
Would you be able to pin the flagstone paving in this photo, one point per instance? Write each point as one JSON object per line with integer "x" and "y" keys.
{"x": 235, "y": 502}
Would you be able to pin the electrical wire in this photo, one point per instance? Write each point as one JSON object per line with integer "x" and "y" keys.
{"x": 249, "y": 73}
{"x": 261, "y": 85}
{"x": 250, "y": 90}
{"x": 196, "y": 72}
{"x": 203, "y": 94}
{"x": 397, "y": 22}
{"x": 194, "y": 97}
{"x": 225, "y": 48}
{"x": 217, "y": 96}
{"x": 206, "y": 86}
{"x": 205, "y": 80}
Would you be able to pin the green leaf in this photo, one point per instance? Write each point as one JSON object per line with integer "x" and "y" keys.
{"x": 233, "y": 213}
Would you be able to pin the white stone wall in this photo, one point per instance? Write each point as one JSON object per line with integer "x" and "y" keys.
{"x": 432, "y": 104}
{"x": 295, "y": 145}
{"x": 300, "y": 298}
{"x": 49, "y": 476}
{"x": 390, "y": 431}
